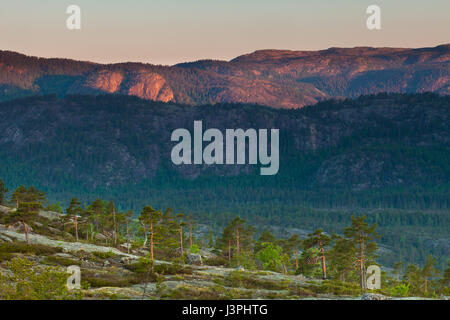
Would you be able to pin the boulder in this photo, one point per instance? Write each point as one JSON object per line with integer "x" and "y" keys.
{"x": 4, "y": 238}
{"x": 100, "y": 236}
{"x": 374, "y": 296}
{"x": 194, "y": 259}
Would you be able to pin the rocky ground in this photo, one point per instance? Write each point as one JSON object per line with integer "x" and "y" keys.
{"x": 110, "y": 273}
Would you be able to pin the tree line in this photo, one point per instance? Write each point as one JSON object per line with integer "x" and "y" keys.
{"x": 167, "y": 235}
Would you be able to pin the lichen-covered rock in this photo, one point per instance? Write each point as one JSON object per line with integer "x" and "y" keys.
{"x": 374, "y": 296}
{"x": 194, "y": 259}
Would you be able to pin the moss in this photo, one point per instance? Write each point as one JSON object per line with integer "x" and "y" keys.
{"x": 99, "y": 280}
{"x": 23, "y": 247}
{"x": 301, "y": 292}
{"x": 104, "y": 255}
{"x": 172, "y": 269}
{"x": 54, "y": 260}
{"x": 194, "y": 293}
{"x": 6, "y": 256}
{"x": 337, "y": 288}
{"x": 216, "y": 261}
{"x": 240, "y": 279}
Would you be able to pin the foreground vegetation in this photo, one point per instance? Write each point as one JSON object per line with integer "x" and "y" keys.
{"x": 158, "y": 245}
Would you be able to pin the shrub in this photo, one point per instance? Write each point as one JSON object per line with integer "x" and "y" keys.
{"x": 194, "y": 249}
{"x": 216, "y": 261}
{"x": 401, "y": 290}
{"x": 27, "y": 281}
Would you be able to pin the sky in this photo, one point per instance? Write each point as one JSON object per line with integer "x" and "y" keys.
{"x": 172, "y": 31}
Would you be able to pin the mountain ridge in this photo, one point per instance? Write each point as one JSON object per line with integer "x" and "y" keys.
{"x": 277, "y": 78}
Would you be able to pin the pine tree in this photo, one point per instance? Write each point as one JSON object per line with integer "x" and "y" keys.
{"x": 362, "y": 236}
{"x": 320, "y": 240}
{"x": 111, "y": 222}
{"x": 429, "y": 270}
{"x": 190, "y": 224}
{"x": 26, "y": 213}
{"x": 341, "y": 257}
{"x": 149, "y": 218}
{"x": 397, "y": 269}
{"x": 210, "y": 238}
{"x": 3, "y": 191}
{"x": 28, "y": 203}
{"x": 74, "y": 210}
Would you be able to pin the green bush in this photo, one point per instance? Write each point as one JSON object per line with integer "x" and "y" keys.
{"x": 27, "y": 281}
{"x": 216, "y": 261}
{"x": 401, "y": 290}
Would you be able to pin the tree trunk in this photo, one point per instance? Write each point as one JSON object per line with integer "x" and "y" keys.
{"x": 426, "y": 283}
{"x": 128, "y": 239}
{"x": 114, "y": 227}
{"x": 76, "y": 226}
{"x": 229, "y": 250}
{"x": 237, "y": 241}
{"x": 190, "y": 235}
{"x": 361, "y": 263}
{"x": 181, "y": 241}
{"x": 151, "y": 240}
{"x": 26, "y": 232}
{"x": 324, "y": 266}
{"x": 296, "y": 259}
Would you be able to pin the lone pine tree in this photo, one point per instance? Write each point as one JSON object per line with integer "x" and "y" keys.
{"x": 362, "y": 237}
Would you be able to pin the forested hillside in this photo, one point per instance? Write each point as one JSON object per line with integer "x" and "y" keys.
{"x": 385, "y": 155}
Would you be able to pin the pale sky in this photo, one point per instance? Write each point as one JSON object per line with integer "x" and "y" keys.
{"x": 173, "y": 31}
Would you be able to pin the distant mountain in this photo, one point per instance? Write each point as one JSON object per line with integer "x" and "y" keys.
{"x": 373, "y": 143}
{"x": 277, "y": 78}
